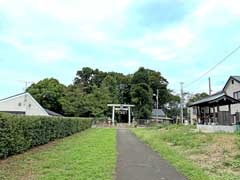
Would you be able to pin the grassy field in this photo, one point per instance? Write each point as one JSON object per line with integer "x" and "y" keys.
{"x": 199, "y": 156}
{"x": 90, "y": 155}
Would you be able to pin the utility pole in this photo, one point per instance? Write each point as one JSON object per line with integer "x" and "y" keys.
{"x": 181, "y": 106}
{"x": 157, "y": 102}
{"x": 210, "y": 86}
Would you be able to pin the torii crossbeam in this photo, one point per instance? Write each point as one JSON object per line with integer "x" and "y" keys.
{"x": 122, "y": 107}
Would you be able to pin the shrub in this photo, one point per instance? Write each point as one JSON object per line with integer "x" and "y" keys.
{"x": 19, "y": 133}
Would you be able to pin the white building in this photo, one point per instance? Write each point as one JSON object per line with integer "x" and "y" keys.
{"x": 24, "y": 104}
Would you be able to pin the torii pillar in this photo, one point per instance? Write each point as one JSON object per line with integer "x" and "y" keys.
{"x": 113, "y": 115}
{"x": 129, "y": 115}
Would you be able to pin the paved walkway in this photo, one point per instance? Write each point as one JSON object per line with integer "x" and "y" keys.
{"x": 136, "y": 161}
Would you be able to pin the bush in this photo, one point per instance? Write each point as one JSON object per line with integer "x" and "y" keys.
{"x": 19, "y": 133}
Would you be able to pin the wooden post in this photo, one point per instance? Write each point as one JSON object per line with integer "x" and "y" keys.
{"x": 209, "y": 114}
{"x": 204, "y": 115}
{"x": 214, "y": 114}
{"x": 198, "y": 115}
{"x": 218, "y": 110}
{"x": 230, "y": 114}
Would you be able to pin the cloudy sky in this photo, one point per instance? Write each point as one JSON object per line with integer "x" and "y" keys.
{"x": 181, "y": 39}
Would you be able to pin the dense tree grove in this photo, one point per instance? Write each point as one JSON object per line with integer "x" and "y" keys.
{"x": 92, "y": 90}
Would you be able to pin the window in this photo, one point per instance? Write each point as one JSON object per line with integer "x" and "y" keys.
{"x": 232, "y": 81}
{"x": 236, "y": 95}
{"x": 19, "y": 104}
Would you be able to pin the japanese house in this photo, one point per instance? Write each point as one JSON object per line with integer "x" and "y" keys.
{"x": 220, "y": 111}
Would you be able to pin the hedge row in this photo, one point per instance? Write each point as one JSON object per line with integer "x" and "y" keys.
{"x": 19, "y": 133}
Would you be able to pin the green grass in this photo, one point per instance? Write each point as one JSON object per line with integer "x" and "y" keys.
{"x": 185, "y": 149}
{"x": 90, "y": 155}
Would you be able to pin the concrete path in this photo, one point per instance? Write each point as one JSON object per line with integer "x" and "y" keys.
{"x": 136, "y": 161}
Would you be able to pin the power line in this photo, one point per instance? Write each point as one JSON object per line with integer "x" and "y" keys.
{"x": 215, "y": 66}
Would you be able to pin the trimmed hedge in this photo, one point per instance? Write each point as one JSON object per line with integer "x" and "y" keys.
{"x": 19, "y": 133}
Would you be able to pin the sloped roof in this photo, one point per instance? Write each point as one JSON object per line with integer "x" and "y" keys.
{"x": 12, "y": 96}
{"x": 221, "y": 96}
{"x": 51, "y": 113}
{"x": 237, "y": 78}
{"x": 157, "y": 112}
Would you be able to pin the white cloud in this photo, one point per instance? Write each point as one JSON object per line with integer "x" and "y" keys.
{"x": 50, "y": 55}
{"x": 185, "y": 40}
{"x": 217, "y": 12}
{"x": 161, "y": 54}
{"x": 181, "y": 36}
{"x": 13, "y": 42}
{"x": 40, "y": 53}
{"x": 90, "y": 11}
{"x": 166, "y": 44}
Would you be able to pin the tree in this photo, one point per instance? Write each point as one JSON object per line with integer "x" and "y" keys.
{"x": 110, "y": 82}
{"x": 84, "y": 76}
{"x": 197, "y": 97}
{"x": 74, "y": 102}
{"x": 158, "y": 82}
{"x": 173, "y": 106}
{"x": 93, "y": 89}
{"x": 142, "y": 98}
{"x": 155, "y": 81}
{"x": 48, "y": 93}
{"x": 88, "y": 77}
{"x": 97, "y": 101}
{"x": 141, "y": 76}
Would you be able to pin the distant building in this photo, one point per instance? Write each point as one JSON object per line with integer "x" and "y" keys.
{"x": 24, "y": 104}
{"x": 157, "y": 113}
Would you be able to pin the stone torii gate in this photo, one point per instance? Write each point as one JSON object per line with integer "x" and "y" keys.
{"x": 121, "y": 107}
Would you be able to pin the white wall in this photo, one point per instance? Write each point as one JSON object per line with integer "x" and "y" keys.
{"x": 24, "y": 103}
{"x": 216, "y": 128}
{"x": 229, "y": 90}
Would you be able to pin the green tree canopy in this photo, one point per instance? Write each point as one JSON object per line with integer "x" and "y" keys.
{"x": 48, "y": 93}
{"x": 142, "y": 98}
{"x": 197, "y": 97}
{"x": 93, "y": 89}
{"x": 74, "y": 102}
{"x": 97, "y": 101}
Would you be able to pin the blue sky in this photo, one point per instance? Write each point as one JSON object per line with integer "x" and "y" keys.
{"x": 55, "y": 38}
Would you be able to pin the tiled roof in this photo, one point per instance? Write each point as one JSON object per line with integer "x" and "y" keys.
{"x": 157, "y": 112}
{"x": 209, "y": 98}
{"x": 236, "y": 78}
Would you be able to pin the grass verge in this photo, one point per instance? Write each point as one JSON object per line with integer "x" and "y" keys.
{"x": 197, "y": 155}
{"x": 89, "y": 155}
